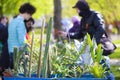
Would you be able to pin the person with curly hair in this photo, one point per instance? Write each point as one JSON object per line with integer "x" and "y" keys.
{"x": 17, "y": 30}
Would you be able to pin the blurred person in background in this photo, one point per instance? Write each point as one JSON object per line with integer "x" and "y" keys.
{"x": 76, "y": 25}
{"x": 4, "y": 55}
{"x": 66, "y": 24}
{"x": 29, "y": 26}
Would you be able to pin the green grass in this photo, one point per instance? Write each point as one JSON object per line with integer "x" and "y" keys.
{"x": 116, "y": 72}
{"x": 116, "y": 41}
{"x": 116, "y": 54}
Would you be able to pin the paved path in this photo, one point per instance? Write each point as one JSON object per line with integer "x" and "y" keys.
{"x": 115, "y": 37}
{"x": 115, "y": 62}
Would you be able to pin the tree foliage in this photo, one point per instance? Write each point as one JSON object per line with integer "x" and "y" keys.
{"x": 8, "y": 7}
{"x": 110, "y": 9}
{"x": 67, "y": 9}
{"x": 44, "y": 7}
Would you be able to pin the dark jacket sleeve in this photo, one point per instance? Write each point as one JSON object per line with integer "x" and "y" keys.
{"x": 77, "y": 35}
{"x": 3, "y": 33}
{"x": 75, "y": 27}
{"x": 99, "y": 25}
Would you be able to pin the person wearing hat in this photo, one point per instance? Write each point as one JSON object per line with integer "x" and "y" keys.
{"x": 92, "y": 23}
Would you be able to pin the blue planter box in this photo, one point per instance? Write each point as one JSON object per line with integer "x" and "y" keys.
{"x": 16, "y": 78}
{"x": 54, "y": 77}
{"x": 79, "y": 79}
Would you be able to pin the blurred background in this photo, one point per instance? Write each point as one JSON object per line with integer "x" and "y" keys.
{"x": 62, "y": 12}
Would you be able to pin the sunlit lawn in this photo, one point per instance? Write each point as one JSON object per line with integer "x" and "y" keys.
{"x": 116, "y": 54}
{"x": 116, "y": 72}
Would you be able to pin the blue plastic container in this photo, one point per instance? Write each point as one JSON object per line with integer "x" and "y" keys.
{"x": 54, "y": 77}
{"x": 16, "y": 78}
{"x": 51, "y": 76}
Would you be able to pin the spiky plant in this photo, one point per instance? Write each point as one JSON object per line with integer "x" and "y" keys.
{"x": 64, "y": 58}
{"x": 45, "y": 57}
{"x": 15, "y": 61}
{"x": 41, "y": 47}
{"x": 96, "y": 69}
{"x": 31, "y": 51}
{"x": 16, "y": 58}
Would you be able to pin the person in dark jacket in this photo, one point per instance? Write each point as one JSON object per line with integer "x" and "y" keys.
{"x": 92, "y": 23}
{"x": 3, "y": 28}
{"x": 4, "y": 58}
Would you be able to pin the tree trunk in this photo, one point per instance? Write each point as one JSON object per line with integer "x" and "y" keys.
{"x": 57, "y": 17}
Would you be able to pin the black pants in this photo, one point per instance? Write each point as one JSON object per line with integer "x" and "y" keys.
{"x": 5, "y": 58}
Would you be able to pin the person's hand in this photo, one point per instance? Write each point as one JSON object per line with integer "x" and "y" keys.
{"x": 63, "y": 34}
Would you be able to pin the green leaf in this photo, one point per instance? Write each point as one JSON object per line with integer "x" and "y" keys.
{"x": 45, "y": 58}
{"x": 99, "y": 53}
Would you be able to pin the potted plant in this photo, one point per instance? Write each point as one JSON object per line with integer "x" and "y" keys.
{"x": 59, "y": 61}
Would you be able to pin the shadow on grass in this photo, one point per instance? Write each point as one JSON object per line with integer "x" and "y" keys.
{"x": 117, "y": 78}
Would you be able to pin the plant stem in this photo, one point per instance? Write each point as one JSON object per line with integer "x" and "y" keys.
{"x": 15, "y": 61}
{"x": 40, "y": 51}
{"x": 45, "y": 58}
{"x": 31, "y": 51}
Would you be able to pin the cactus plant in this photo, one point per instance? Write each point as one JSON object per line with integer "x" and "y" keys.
{"x": 40, "y": 51}
{"x": 45, "y": 58}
